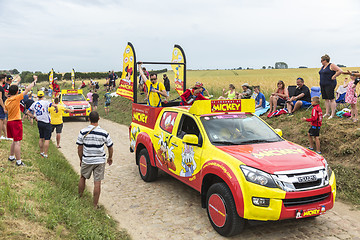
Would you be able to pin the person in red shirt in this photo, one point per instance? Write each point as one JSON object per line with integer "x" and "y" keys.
{"x": 316, "y": 121}
{"x": 192, "y": 94}
{"x": 56, "y": 88}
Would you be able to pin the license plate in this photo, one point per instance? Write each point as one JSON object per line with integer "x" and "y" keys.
{"x": 309, "y": 178}
{"x": 303, "y": 213}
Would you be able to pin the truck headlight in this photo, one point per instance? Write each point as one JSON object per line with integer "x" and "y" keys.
{"x": 69, "y": 107}
{"x": 258, "y": 177}
{"x": 328, "y": 169}
{"x": 87, "y": 106}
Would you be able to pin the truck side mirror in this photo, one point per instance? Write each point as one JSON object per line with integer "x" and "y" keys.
{"x": 279, "y": 132}
{"x": 191, "y": 139}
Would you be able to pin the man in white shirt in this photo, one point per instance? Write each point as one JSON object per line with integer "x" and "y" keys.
{"x": 40, "y": 109}
{"x": 91, "y": 141}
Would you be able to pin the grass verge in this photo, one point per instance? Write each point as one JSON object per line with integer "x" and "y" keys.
{"x": 40, "y": 201}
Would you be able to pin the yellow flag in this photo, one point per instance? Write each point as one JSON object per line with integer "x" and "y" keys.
{"x": 178, "y": 56}
{"x": 73, "y": 78}
{"x": 51, "y": 78}
{"x": 126, "y": 87}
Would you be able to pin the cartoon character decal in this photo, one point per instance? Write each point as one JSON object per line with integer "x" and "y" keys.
{"x": 134, "y": 132}
{"x": 168, "y": 121}
{"x": 165, "y": 153}
{"x": 188, "y": 161}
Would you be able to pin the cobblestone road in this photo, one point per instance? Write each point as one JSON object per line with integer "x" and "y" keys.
{"x": 168, "y": 209}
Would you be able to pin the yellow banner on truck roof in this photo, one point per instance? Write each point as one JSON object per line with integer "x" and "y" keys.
{"x": 178, "y": 57}
{"x": 202, "y": 107}
{"x": 127, "y": 78}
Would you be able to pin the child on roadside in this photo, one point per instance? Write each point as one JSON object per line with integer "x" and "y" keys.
{"x": 351, "y": 96}
{"x": 316, "y": 121}
{"x": 107, "y": 97}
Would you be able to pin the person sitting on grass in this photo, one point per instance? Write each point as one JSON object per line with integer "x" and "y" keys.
{"x": 192, "y": 94}
{"x": 301, "y": 99}
{"x": 260, "y": 101}
{"x": 246, "y": 94}
{"x": 204, "y": 90}
{"x": 278, "y": 97}
{"x": 14, "y": 123}
{"x": 316, "y": 121}
{"x": 231, "y": 94}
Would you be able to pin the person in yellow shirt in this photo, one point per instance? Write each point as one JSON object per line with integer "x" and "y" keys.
{"x": 57, "y": 119}
{"x": 154, "y": 89}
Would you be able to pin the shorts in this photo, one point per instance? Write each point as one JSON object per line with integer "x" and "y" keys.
{"x": 2, "y": 113}
{"x": 58, "y": 128}
{"x": 107, "y": 104}
{"x": 97, "y": 169}
{"x": 327, "y": 92}
{"x": 15, "y": 130}
{"x": 44, "y": 130}
{"x": 314, "y": 131}
{"x": 281, "y": 102}
{"x": 95, "y": 103}
{"x": 305, "y": 104}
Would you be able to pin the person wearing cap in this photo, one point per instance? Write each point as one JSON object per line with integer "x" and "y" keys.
{"x": 42, "y": 116}
{"x": 14, "y": 123}
{"x": 301, "y": 98}
{"x": 246, "y": 94}
{"x": 204, "y": 90}
{"x": 154, "y": 89}
{"x": 192, "y": 94}
{"x": 56, "y": 88}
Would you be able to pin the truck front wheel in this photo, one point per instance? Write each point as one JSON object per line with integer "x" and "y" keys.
{"x": 222, "y": 212}
{"x": 147, "y": 172}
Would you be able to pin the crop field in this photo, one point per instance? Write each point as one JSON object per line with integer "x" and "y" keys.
{"x": 216, "y": 80}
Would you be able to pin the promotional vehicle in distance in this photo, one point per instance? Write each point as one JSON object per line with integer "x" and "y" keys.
{"x": 243, "y": 169}
{"x": 74, "y": 99}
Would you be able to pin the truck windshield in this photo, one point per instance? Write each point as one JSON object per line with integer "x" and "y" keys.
{"x": 73, "y": 97}
{"x": 237, "y": 129}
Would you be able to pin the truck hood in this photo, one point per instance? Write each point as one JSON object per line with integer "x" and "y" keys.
{"x": 274, "y": 157}
{"x": 72, "y": 103}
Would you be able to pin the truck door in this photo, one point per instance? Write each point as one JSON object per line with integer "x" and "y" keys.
{"x": 187, "y": 157}
{"x": 163, "y": 139}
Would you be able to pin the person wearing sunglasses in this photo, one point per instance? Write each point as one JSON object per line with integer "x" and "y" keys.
{"x": 154, "y": 89}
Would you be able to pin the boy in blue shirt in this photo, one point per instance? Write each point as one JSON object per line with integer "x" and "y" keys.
{"x": 260, "y": 101}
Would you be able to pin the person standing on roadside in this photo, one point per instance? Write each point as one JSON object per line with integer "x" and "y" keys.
{"x": 14, "y": 123}
{"x": 42, "y": 116}
{"x": 95, "y": 97}
{"x": 328, "y": 73}
{"x": 56, "y": 88}
{"x": 91, "y": 152}
{"x": 2, "y": 107}
{"x": 56, "y": 119}
{"x": 89, "y": 96}
{"x": 107, "y": 97}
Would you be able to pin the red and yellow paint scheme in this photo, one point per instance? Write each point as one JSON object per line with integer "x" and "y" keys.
{"x": 73, "y": 99}
{"x": 269, "y": 180}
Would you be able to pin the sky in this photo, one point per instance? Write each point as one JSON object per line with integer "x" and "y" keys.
{"x": 91, "y": 35}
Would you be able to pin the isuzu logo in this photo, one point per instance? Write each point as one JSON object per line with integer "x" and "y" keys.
{"x": 309, "y": 178}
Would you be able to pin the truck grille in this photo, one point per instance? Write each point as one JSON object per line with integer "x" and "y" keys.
{"x": 301, "y": 180}
{"x": 306, "y": 200}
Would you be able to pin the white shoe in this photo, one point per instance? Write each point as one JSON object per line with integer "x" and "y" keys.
{"x": 3, "y": 138}
{"x": 330, "y": 117}
{"x": 326, "y": 115}
{"x": 9, "y": 139}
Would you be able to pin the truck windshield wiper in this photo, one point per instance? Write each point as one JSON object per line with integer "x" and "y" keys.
{"x": 225, "y": 142}
{"x": 258, "y": 141}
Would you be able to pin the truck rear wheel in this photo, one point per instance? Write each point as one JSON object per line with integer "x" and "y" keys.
{"x": 222, "y": 212}
{"x": 147, "y": 172}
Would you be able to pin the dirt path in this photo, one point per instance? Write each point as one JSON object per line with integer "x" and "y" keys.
{"x": 168, "y": 209}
